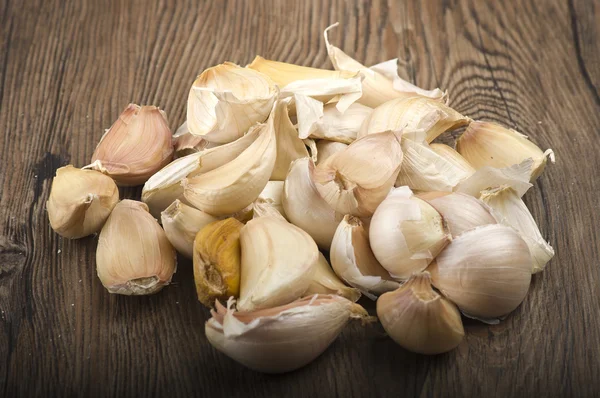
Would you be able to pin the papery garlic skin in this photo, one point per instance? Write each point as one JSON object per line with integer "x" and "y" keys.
{"x": 352, "y": 259}
{"x": 406, "y": 233}
{"x": 289, "y": 146}
{"x": 136, "y": 146}
{"x": 325, "y": 281}
{"x": 487, "y": 177}
{"x": 281, "y": 339}
{"x": 485, "y": 271}
{"x": 80, "y": 201}
{"x": 185, "y": 143}
{"x": 325, "y": 149}
{"x": 226, "y": 100}
{"x": 273, "y": 195}
{"x": 452, "y": 156}
{"x": 331, "y": 124}
{"x": 419, "y": 319}
{"x": 134, "y": 256}
{"x": 181, "y": 224}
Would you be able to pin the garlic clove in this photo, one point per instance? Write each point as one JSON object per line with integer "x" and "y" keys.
{"x": 80, "y": 201}
{"x": 485, "y": 271}
{"x": 489, "y": 144}
{"x": 305, "y": 207}
{"x": 516, "y": 177}
{"x": 136, "y": 146}
{"x": 354, "y": 262}
{"x": 289, "y": 146}
{"x": 333, "y": 125}
{"x": 513, "y": 212}
{"x": 326, "y": 149}
{"x": 272, "y": 194}
{"x": 185, "y": 143}
{"x": 419, "y": 319}
{"x": 453, "y": 157}
{"x": 181, "y": 224}
{"x": 284, "y": 338}
{"x": 217, "y": 258}
{"x": 342, "y": 92}
{"x": 278, "y": 263}
{"x": 134, "y": 256}
{"x": 357, "y": 179}
{"x": 406, "y": 233}
{"x": 325, "y": 281}
{"x": 226, "y": 100}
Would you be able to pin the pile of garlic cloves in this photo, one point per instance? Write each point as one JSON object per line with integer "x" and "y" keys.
{"x": 295, "y": 191}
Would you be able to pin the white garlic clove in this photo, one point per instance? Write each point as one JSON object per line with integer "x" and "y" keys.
{"x": 289, "y": 146}
{"x": 453, "y": 157}
{"x": 181, "y": 224}
{"x": 325, "y": 149}
{"x": 325, "y": 281}
{"x": 273, "y": 195}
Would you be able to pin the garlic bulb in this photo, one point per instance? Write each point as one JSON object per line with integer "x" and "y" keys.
{"x": 485, "y": 271}
{"x": 181, "y": 224}
{"x": 325, "y": 281}
{"x": 413, "y": 114}
{"x": 305, "y": 207}
{"x": 226, "y": 100}
{"x": 273, "y": 195}
{"x": 217, "y": 258}
{"x": 357, "y": 179}
{"x": 460, "y": 212}
{"x": 80, "y": 201}
{"x": 406, "y": 233}
{"x": 489, "y": 144}
{"x": 327, "y": 148}
{"x": 284, "y": 338}
{"x": 289, "y": 146}
{"x": 278, "y": 263}
{"x": 453, "y": 157}
{"x": 419, "y": 319}
{"x": 354, "y": 262}
{"x": 507, "y": 203}
{"x": 136, "y": 146}
{"x": 185, "y": 143}
{"x": 134, "y": 256}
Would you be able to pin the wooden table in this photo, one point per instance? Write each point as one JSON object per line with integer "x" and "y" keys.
{"x": 68, "y": 68}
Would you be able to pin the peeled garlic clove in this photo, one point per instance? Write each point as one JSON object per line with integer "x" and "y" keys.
{"x": 354, "y": 262}
{"x": 233, "y": 186}
{"x": 419, "y": 319}
{"x": 507, "y": 203}
{"x": 327, "y": 148}
{"x": 217, "y": 258}
{"x": 357, "y": 179}
{"x": 516, "y": 177}
{"x": 284, "y": 338}
{"x": 185, "y": 143}
{"x": 272, "y": 194}
{"x": 181, "y": 224}
{"x": 453, "y": 157}
{"x": 325, "y": 281}
{"x": 226, "y": 100}
{"x": 289, "y": 146}
{"x": 334, "y": 125}
{"x": 489, "y": 144}
{"x": 485, "y": 271}
{"x": 134, "y": 256}
{"x": 406, "y": 233}
{"x": 460, "y": 212}
{"x": 278, "y": 263}
{"x": 136, "y": 146}
{"x": 411, "y": 114}
{"x": 305, "y": 207}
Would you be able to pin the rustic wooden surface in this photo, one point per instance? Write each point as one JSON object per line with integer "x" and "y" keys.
{"x": 68, "y": 68}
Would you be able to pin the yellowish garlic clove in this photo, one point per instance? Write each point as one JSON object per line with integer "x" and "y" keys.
{"x": 406, "y": 233}
{"x": 80, "y": 201}
{"x": 325, "y": 281}
{"x": 134, "y": 256}
{"x": 135, "y": 147}
{"x": 453, "y": 157}
{"x": 485, "y": 271}
{"x": 283, "y": 338}
{"x": 217, "y": 259}
{"x": 289, "y": 146}
{"x": 325, "y": 149}
{"x": 181, "y": 224}
{"x": 489, "y": 144}
{"x": 419, "y": 319}
{"x": 352, "y": 259}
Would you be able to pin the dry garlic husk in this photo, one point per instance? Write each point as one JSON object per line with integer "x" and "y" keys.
{"x": 381, "y": 82}
{"x": 278, "y": 263}
{"x": 489, "y": 144}
{"x": 460, "y": 212}
{"x": 312, "y": 148}
{"x": 217, "y": 258}
{"x": 272, "y": 194}
{"x": 325, "y": 281}
{"x": 515, "y": 176}
{"x": 453, "y": 157}
{"x": 352, "y": 260}
{"x": 406, "y": 233}
{"x": 419, "y": 319}
{"x": 134, "y": 256}
{"x": 413, "y": 114}
{"x": 485, "y": 271}
{"x": 181, "y": 224}
{"x": 136, "y": 146}
{"x": 80, "y": 201}
{"x": 236, "y": 184}
{"x": 513, "y": 212}
{"x": 327, "y": 148}
{"x": 226, "y": 100}
{"x": 284, "y": 338}
{"x": 305, "y": 207}
{"x": 289, "y": 146}
{"x": 356, "y": 180}
{"x": 185, "y": 143}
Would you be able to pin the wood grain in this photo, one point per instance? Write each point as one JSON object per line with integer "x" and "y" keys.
{"x": 68, "y": 68}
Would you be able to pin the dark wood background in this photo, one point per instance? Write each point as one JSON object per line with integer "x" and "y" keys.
{"x": 68, "y": 68}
